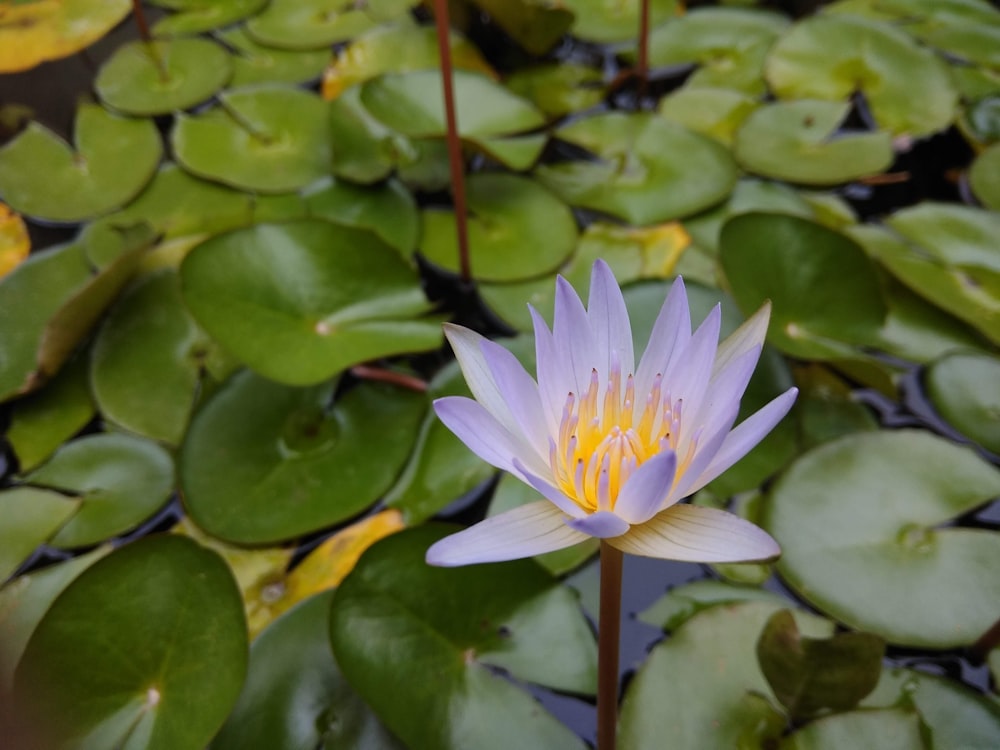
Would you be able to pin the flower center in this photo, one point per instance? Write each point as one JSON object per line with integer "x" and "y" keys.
{"x": 602, "y": 441}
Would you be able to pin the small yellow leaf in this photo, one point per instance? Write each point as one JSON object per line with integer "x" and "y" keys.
{"x": 15, "y": 244}
{"x": 661, "y": 247}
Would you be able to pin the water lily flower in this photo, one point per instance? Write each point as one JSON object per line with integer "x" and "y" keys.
{"x": 612, "y": 447}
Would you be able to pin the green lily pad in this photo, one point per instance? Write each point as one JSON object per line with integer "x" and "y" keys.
{"x": 647, "y": 170}
{"x": 295, "y": 696}
{"x": 727, "y": 45}
{"x": 984, "y": 116}
{"x": 42, "y": 176}
{"x": 264, "y": 462}
{"x": 703, "y": 687}
{"x": 149, "y": 360}
{"x": 434, "y": 635}
{"x": 888, "y": 729}
{"x": 832, "y": 56}
{"x": 517, "y": 229}
{"x": 171, "y": 672}
{"x": 163, "y": 76}
{"x": 534, "y": 25}
{"x": 120, "y": 481}
{"x": 964, "y": 388}
{"x": 365, "y": 150}
{"x": 608, "y": 21}
{"x": 388, "y": 210}
{"x": 30, "y": 516}
{"x": 984, "y": 177}
{"x": 196, "y": 16}
{"x": 683, "y": 602}
{"x": 824, "y": 289}
{"x": 316, "y": 24}
{"x": 558, "y": 89}
{"x": 270, "y": 139}
{"x": 301, "y": 301}
{"x": 44, "y": 420}
{"x": 715, "y": 112}
{"x": 255, "y": 63}
{"x": 796, "y": 142}
{"x": 859, "y": 522}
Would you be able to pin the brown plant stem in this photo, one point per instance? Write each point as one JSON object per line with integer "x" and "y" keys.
{"x": 609, "y": 635}
{"x": 986, "y": 643}
{"x": 143, "y": 27}
{"x": 368, "y": 372}
{"x": 642, "y": 65}
{"x": 455, "y": 161}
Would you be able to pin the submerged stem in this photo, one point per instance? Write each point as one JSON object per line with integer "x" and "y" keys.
{"x": 609, "y": 629}
{"x": 454, "y": 143}
{"x": 642, "y": 65}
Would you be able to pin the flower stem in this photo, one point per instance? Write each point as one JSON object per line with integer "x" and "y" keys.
{"x": 642, "y": 66}
{"x": 609, "y": 629}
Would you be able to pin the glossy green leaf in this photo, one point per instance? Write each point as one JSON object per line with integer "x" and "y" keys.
{"x": 264, "y": 462}
{"x": 42, "y": 421}
{"x": 30, "y": 516}
{"x": 295, "y": 696}
{"x": 702, "y": 687}
{"x": 387, "y": 209}
{"x": 859, "y": 522}
{"x": 43, "y": 176}
{"x": 964, "y": 388}
{"x": 809, "y": 675}
{"x": 365, "y": 150}
{"x": 172, "y": 671}
{"x": 715, "y": 112}
{"x": 315, "y": 24}
{"x": 163, "y": 76}
{"x": 681, "y": 603}
{"x": 558, "y": 89}
{"x": 534, "y": 25}
{"x": 120, "y": 481}
{"x": 255, "y": 63}
{"x": 517, "y": 229}
{"x": 301, "y": 301}
{"x": 889, "y": 729}
{"x": 727, "y": 45}
{"x": 830, "y": 57}
{"x": 196, "y": 16}
{"x": 798, "y": 142}
{"x": 434, "y": 635}
{"x": 149, "y": 360}
{"x": 824, "y": 290}
{"x": 645, "y": 170}
{"x": 984, "y": 177}
{"x": 265, "y": 138}
{"x": 605, "y": 21}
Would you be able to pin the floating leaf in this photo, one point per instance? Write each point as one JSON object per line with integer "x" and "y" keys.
{"x": 517, "y": 229}
{"x": 889, "y": 729}
{"x": 42, "y": 176}
{"x": 397, "y": 621}
{"x": 255, "y": 63}
{"x": 33, "y": 32}
{"x": 388, "y": 210}
{"x": 15, "y": 244}
{"x": 832, "y": 56}
{"x": 558, "y": 89}
{"x": 120, "y": 481}
{"x": 264, "y": 462}
{"x": 534, "y": 25}
{"x": 366, "y": 151}
{"x": 648, "y": 170}
{"x": 270, "y": 139}
{"x": 796, "y": 141}
{"x": 859, "y": 522}
{"x": 30, "y": 516}
{"x": 715, "y": 112}
{"x": 162, "y": 76}
{"x": 984, "y": 177}
{"x": 315, "y": 24}
{"x": 964, "y": 388}
{"x": 606, "y": 21}
{"x": 172, "y": 671}
{"x": 681, "y": 603}
{"x": 196, "y": 16}
{"x": 301, "y": 301}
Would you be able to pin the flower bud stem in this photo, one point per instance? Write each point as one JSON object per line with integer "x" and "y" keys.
{"x": 609, "y": 629}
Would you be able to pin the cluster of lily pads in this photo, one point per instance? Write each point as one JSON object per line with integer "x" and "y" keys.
{"x": 241, "y": 344}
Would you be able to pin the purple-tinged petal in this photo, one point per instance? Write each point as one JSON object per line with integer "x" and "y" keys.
{"x": 609, "y": 321}
{"x": 710, "y": 443}
{"x": 551, "y": 493}
{"x": 553, "y": 384}
{"x": 688, "y": 378}
{"x": 603, "y": 524}
{"x": 694, "y": 534}
{"x": 748, "y": 336}
{"x": 747, "y": 434}
{"x": 519, "y": 391}
{"x": 670, "y": 335}
{"x": 466, "y": 345}
{"x": 484, "y": 435}
{"x": 525, "y": 531}
{"x": 574, "y": 341}
{"x": 722, "y": 399}
{"x": 646, "y": 491}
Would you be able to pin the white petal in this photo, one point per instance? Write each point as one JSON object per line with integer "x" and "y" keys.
{"x": 647, "y": 489}
{"x": 574, "y": 341}
{"x": 603, "y": 524}
{"x": 466, "y": 345}
{"x": 670, "y": 335}
{"x": 519, "y": 391}
{"x": 548, "y": 491}
{"x": 709, "y": 446}
{"x": 747, "y": 434}
{"x": 721, "y": 402}
{"x": 522, "y": 532}
{"x": 553, "y": 385}
{"x": 609, "y": 321}
{"x": 689, "y": 375}
{"x": 484, "y": 435}
{"x": 695, "y": 534}
{"x": 749, "y": 335}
